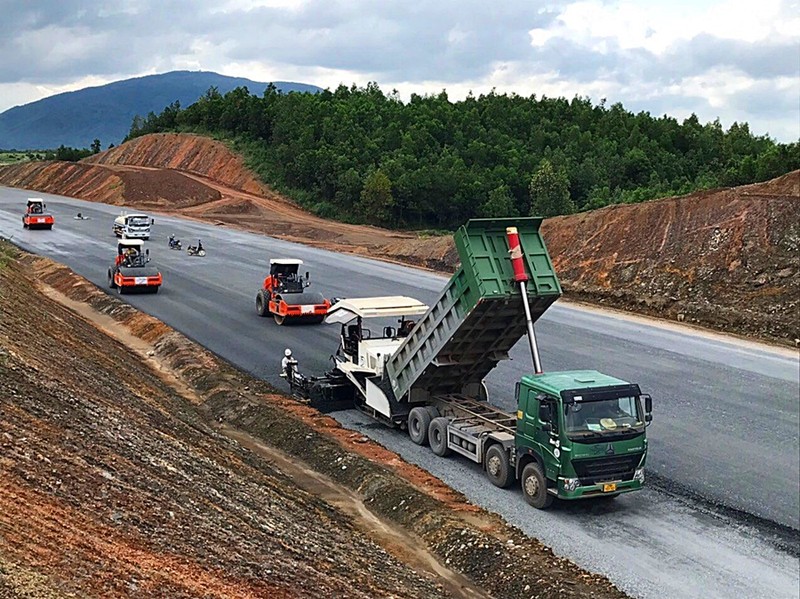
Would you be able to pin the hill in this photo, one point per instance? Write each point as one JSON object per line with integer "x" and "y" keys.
{"x": 725, "y": 258}
{"x": 106, "y": 112}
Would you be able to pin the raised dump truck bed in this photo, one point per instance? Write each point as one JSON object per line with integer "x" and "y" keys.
{"x": 479, "y": 316}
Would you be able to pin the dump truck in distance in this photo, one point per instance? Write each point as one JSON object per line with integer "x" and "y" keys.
{"x": 133, "y": 226}
{"x": 574, "y": 434}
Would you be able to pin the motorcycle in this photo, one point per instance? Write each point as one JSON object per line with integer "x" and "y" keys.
{"x": 80, "y": 216}
{"x": 174, "y": 244}
{"x": 196, "y": 250}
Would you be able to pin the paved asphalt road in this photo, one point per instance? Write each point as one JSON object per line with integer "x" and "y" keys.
{"x": 724, "y": 442}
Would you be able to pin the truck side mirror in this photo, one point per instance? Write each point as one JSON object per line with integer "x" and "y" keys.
{"x": 648, "y": 418}
{"x": 648, "y": 403}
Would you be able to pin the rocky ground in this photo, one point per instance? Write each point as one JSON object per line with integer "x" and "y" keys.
{"x": 135, "y": 463}
{"x": 727, "y": 259}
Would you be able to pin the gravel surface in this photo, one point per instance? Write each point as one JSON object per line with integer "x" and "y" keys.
{"x": 716, "y": 399}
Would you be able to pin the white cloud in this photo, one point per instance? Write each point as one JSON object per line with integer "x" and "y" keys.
{"x": 726, "y": 58}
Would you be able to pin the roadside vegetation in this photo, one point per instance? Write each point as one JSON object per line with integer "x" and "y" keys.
{"x": 65, "y": 153}
{"x": 361, "y": 155}
{"x": 14, "y": 157}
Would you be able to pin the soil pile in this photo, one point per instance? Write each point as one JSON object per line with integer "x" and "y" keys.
{"x": 135, "y": 463}
{"x": 727, "y": 258}
{"x": 187, "y": 153}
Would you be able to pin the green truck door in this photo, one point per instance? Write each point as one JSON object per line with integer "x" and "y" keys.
{"x": 535, "y": 415}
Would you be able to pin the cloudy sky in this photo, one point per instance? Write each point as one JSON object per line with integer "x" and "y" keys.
{"x": 736, "y": 60}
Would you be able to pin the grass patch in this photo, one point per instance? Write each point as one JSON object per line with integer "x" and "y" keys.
{"x": 18, "y": 157}
{"x": 8, "y": 253}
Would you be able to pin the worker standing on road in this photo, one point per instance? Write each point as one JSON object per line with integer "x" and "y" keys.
{"x": 288, "y": 364}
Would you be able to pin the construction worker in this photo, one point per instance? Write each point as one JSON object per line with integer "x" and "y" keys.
{"x": 288, "y": 364}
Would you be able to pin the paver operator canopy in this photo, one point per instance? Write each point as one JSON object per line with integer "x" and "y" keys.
{"x": 361, "y": 349}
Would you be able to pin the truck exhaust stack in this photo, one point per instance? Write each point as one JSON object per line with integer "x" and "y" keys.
{"x": 521, "y": 277}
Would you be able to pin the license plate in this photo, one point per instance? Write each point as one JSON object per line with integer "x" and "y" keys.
{"x": 140, "y": 280}
{"x": 609, "y": 487}
{"x": 307, "y": 309}
{"x": 39, "y": 220}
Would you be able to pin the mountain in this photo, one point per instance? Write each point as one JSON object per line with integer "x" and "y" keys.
{"x": 105, "y": 112}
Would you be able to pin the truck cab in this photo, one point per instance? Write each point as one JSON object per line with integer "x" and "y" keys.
{"x": 585, "y": 431}
{"x": 133, "y": 226}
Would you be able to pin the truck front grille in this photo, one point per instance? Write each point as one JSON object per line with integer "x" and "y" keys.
{"x": 591, "y": 471}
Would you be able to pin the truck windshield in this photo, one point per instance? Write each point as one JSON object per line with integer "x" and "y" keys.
{"x": 607, "y": 416}
{"x": 139, "y": 221}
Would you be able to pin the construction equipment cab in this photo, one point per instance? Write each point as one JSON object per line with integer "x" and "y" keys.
{"x": 362, "y": 350}
{"x": 132, "y": 270}
{"x": 133, "y": 226}
{"x": 283, "y": 295}
{"x": 36, "y": 216}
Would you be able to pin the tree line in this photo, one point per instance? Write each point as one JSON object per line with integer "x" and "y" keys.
{"x": 361, "y": 155}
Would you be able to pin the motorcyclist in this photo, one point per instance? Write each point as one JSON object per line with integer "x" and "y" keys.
{"x": 173, "y": 242}
{"x": 199, "y": 246}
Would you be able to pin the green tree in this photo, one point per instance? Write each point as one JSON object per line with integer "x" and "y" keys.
{"x": 499, "y": 204}
{"x": 376, "y": 203}
{"x": 549, "y": 192}
{"x": 95, "y": 147}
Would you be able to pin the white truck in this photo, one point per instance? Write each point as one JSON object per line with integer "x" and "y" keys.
{"x": 133, "y": 226}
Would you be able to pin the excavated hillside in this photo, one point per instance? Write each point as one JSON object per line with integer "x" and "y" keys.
{"x": 133, "y": 463}
{"x": 726, "y": 259}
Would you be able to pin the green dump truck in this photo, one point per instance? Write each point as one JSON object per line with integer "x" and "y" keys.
{"x": 574, "y": 435}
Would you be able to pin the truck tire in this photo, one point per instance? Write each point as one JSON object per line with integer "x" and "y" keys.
{"x": 262, "y": 303}
{"x": 498, "y": 470}
{"x": 534, "y": 486}
{"x": 437, "y": 437}
{"x": 419, "y": 419}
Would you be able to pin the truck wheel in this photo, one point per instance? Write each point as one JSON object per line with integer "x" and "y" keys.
{"x": 437, "y": 437}
{"x": 534, "y": 487}
{"x": 498, "y": 470}
{"x": 418, "y": 422}
{"x": 262, "y": 304}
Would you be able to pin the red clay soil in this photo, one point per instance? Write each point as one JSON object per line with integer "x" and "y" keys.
{"x": 162, "y": 477}
{"x": 726, "y": 259}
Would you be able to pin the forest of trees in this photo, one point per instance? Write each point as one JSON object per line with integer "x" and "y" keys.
{"x": 360, "y": 155}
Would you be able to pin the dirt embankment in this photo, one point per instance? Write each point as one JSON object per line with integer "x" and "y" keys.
{"x": 726, "y": 259}
{"x": 187, "y": 153}
{"x": 136, "y": 463}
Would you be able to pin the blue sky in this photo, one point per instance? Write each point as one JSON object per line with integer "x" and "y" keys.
{"x": 736, "y": 60}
